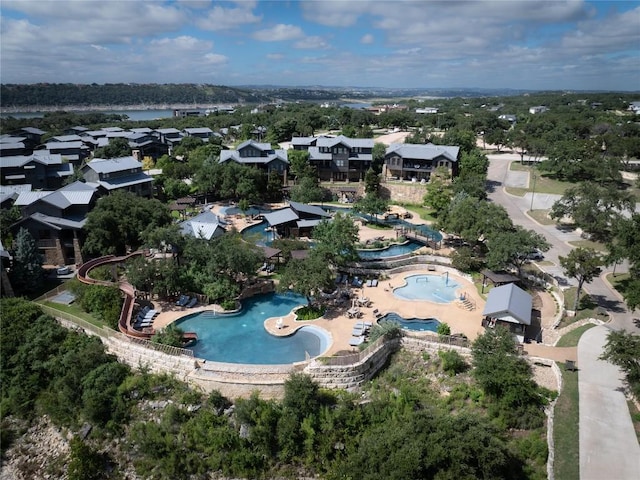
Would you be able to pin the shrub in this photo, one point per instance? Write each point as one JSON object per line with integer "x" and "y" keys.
{"x": 443, "y": 329}
{"x": 310, "y": 312}
{"x": 452, "y": 362}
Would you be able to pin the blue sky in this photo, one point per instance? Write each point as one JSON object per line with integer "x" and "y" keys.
{"x": 570, "y": 44}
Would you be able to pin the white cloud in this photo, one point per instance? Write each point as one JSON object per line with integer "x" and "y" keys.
{"x": 275, "y": 56}
{"x": 221, "y": 18}
{"x": 367, "y": 39}
{"x": 279, "y": 33}
{"x": 313, "y": 42}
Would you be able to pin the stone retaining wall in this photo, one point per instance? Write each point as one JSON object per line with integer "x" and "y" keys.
{"x": 350, "y": 377}
{"x": 403, "y": 192}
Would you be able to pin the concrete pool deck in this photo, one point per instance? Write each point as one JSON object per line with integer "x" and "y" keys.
{"x": 338, "y": 324}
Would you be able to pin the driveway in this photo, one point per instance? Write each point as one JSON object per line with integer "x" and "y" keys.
{"x": 608, "y": 443}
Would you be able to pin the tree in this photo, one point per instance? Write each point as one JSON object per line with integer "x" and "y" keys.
{"x": 117, "y": 147}
{"x": 308, "y": 277}
{"x": 510, "y": 247}
{"x": 85, "y": 463}
{"x": 308, "y": 190}
{"x": 119, "y": 221}
{"x": 371, "y": 181}
{"x": 170, "y": 335}
{"x": 583, "y": 264}
{"x": 438, "y": 196}
{"x": 299, "y": 165}
{"x": 336, "y": 239}
{"x": 378, "y": 153}
{"x": 26, "y": 271}
{"x": 594, "y": 208}
{"x": 371, "y": 204}
{"x": 623, "y": 349}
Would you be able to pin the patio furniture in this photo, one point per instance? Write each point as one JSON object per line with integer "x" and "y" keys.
{"x": 570, "y": 366}
{"x": 355, "y": 341}
{"x": 183, "y": 300}
{"x": 353, "y": 312}
{"x": 192, "y": 303}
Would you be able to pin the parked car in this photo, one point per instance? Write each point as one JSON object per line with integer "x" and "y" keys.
{"x": 63, "y": 270}
{"x": 535, "y": 255}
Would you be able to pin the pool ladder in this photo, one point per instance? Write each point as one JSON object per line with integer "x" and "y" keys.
{"x": 465, "y": 302}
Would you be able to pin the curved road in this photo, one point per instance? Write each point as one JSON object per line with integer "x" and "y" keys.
{"x": 500, "y": 176}
{"x": 608, "y": 446}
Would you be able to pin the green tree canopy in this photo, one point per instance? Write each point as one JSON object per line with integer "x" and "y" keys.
{"x": 336, "y": 239}
{"x": 583, "y": 264}
{"x": 26, "y": 270}
{"x": 118, "y": 223}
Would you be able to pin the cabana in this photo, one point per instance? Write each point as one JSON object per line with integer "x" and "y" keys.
{"x": 497, "y": 278}
{"x": 508, "y": 306}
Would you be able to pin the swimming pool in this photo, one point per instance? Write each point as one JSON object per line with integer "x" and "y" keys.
{"x": 241, "y": 337}
{"x": 236, "y": 211}
{"x": 391, "y": 251}
{"x": 434, "y": 288}
{"x": 415, "y": 324}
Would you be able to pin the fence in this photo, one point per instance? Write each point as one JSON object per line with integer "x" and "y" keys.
{"x": 105, "y": 332}
{"x": 452, "y": 340}
{"x": 354, "y": 358}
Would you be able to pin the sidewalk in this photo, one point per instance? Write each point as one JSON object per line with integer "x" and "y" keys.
{"x": 608, "y": 444}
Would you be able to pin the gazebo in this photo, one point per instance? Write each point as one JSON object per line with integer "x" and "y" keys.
{"x": 497, "y": 278}
{"x": 510, "y": 306}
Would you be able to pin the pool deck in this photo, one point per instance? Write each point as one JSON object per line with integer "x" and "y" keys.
{"x": 338, "y": 324}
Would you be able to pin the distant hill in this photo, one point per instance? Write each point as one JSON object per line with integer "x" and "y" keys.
{"x": 78, "y": 95}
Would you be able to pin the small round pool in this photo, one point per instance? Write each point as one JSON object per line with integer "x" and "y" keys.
{"x": 241, "y": 337}
{"x": 434, "y": 288}
{"x": 415, "y": 324}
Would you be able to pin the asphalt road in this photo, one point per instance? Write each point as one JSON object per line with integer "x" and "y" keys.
{"x": 499, "y": 176}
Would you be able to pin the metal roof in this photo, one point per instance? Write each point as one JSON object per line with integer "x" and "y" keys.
{"x": 27, "y": 198}
{"x": 509, "y": 303}
{"x": 127, "y": 181}
{"x": 260, "y": 146}
{"x": 65, "y": 138}
{"x": 310, "y": 209}
{"x": 280, "y": 217}
{"x": 205, "y": 225}
{"x": 112, "y": 165}
{"x": 308, "y": 223}
{"x": 198, "y": 130}
{"x": 428, "y": 151}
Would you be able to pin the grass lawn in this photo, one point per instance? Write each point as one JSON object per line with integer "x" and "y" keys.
{"x": 423, "y": 212}
{"x": 543, "y": 183}
{"x": 597, "y": 246}
{"x": 571, "y": 339}
{"x": 75, "y": 311}
{"x": 541, "y": 216}
{"x": 586, "y": 308}
{"x": 565, "y": 429}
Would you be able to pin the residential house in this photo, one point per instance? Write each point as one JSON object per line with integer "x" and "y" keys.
{"x": 145, "y": 144}
{"x": 427, "y": 110}
{"x": 41, "y": 170}
{"x": 113, "y": 174}
{"x": 258, "y": 155}
{"x": 32, "y": 135}
{"x": 634, "y": 107}
{"x": 509, "y": 306}
{"x": 55, "y": 219}
{"x": 13, "y": 146}
{"x": 508, "y": 117}
{"x": 416, "y": 162}
{"x": 73, "y": 151}
{"x": 206, "y": 225}
{"x": 337, "y": 158}
{"x": 538, "y": 109}
{"x": 296, "y": 220}
{"x": 169, "y": 137}
{"x": 200, "y": 132}
{"x": 79, "y": 130}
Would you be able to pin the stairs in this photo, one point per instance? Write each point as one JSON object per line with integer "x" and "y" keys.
{"x": 466, "y": 303}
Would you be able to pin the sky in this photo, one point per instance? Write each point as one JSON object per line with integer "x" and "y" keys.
{"x": 534, "y": 45}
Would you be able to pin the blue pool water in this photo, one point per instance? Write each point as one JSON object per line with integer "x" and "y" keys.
{"x": 259, "y": 235}
{"x": 241, "y": 337}
{"x": 392, "y": 251}
{"x": 237, "y": 211}
{"x": 415, "y": 324}
{"x": 434, "y": 288}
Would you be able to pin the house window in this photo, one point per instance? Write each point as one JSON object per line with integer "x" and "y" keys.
{"x": 340, "y": 163}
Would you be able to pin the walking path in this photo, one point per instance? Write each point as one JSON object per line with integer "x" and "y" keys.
{"x": 608, "y": 444}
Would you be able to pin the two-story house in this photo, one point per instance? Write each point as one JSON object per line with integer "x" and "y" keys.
{"x": 41, "y": 170}
{"x": 55, "y": 219}
{"x": 337, "y": 158}
{"x": 70, "y": 147}
{"x": 124, "y": 173}
{"x": 200, "y": 132}
{"x": 415, "y": 162}
{"x": 258, "y": 155}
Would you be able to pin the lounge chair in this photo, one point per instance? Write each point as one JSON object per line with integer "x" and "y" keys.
{"x": 183, "y": 300}
{"x": 355, "y": 341}
{"x": 368, "y": 284}
{"x": 374, "y": 283}
{"x": 357, "y": 332}
{"x": 192, "y": 303}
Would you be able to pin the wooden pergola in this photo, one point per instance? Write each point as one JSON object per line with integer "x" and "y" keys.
{"x": 497, "y": 278}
